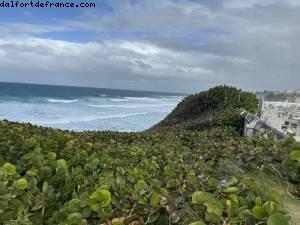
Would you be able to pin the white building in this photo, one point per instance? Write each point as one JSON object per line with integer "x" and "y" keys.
{"x": 284, "y": 116}
{"x": 254, "y": 126}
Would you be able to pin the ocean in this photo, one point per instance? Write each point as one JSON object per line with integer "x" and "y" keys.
{"x": 82, "y": 109}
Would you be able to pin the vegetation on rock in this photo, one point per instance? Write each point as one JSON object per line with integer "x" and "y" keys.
{"x": 218, "y": 107}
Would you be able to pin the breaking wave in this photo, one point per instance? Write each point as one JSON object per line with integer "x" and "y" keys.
{"x": 89, "y": 119}
{"x": 65, "y": 101}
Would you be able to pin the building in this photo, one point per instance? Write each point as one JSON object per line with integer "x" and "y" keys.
{"x": 291, "y": 127}
{"x": 283, "y": 116}
{"x": 254, "y": 127}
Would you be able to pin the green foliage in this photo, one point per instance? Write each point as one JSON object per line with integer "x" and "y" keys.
{"x": 22, "y": 184}
{"x": 295, "y": 155}
{"x": 99, "y": 199}
{"x": 117, "y": 221}
{"x": 200, "y": 197}
{"x": 231, "y": 190}
{"x": 220, "y": 106}
{"x": 278, "y": 219}
{"x": 259, "y": 212}
{"x": 55, "y": 177}
{"x": 9, "y": 169}
{"x": 197, "y": 223}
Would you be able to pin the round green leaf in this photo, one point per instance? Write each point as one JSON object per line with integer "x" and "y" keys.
{"x": 52, "y": 155}
{"x": 74, "y": 218}
{"x": 22, "y": 184}
{"x": 10, "y": 169}
{"x": 200, "y": 197}
{"x": 32, "y": 172}
{"x": 259, "y": 212}
{"x": 295, "y": 155}
{"x": 231, "y": 190}
{"x": 140, "y": 186}
{"x": 278, "y": 219}
{"x": 214, "y": 207}
{"x": 99, "y": 199}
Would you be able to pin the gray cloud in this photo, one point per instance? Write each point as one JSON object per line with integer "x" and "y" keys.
{"x": 170, "y": 45}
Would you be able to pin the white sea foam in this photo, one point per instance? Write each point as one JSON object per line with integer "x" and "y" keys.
{"x": 88, "y": 119}
{"x": 65, "y": 101}
{"x": 142, "y": 99}
{"x": 131, "y": 106}
{"x": 88, "y": 110}
{"x": 119, "y": 100}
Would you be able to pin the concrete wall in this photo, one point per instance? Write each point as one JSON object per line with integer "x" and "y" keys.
{"x": 298, "y": 131}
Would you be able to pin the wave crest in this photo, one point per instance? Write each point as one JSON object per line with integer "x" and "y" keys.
{"x": 65, "y": 101}
{"x": 89, "y": 119}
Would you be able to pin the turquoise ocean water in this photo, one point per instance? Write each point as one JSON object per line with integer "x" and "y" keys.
{"x": 79, "y": 108}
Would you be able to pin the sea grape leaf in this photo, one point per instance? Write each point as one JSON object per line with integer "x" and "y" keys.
{"x": 234, "y": 198}
{"x": 154, "y": 199}
{"x": 213, "y": 182}
{"x": 200, "y": 197}
{"x": 278, "y": 219}
{"x": 61, "y": 164}
{"x": 295, "y": 146}
{"x": 231, "y": 190}
{"x": 121, "y": 182}
{"x": 74, "y": 219}
{"x": 259, "y": 212}
{"x": 214, "y": 206}
{"x": 74, "y": 204}
{"x": 197, "y": 223}
{"x": 52, "y": 155}
{"x": 211, "y": 217}
{"x": 99, "y": 199}
{"x": 140, "y": 186}
{"x": 295, "y": 155}
{"x": 164, "y": 191}
{"x": 233, "y": 181}
{"x": 22, "y": 184}
{"x": 32, "y": 172}
{"x": 45, "y": 186}
{"x": 270, "y": 207}
{"x": 10, "y": 169}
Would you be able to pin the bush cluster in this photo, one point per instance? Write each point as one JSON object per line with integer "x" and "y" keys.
{"x": 55, "y": 177}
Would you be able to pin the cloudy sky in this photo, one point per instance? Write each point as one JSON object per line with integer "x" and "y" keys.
{"x": 164, "y": 45}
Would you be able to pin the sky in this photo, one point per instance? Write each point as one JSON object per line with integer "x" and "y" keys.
{"x": 160, "y": 45}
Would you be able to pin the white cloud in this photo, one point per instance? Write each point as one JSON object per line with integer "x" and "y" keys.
{"x": 181, "y": 45}
{"x": 132, "y": 60}
{"x": 236, "y": 4}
